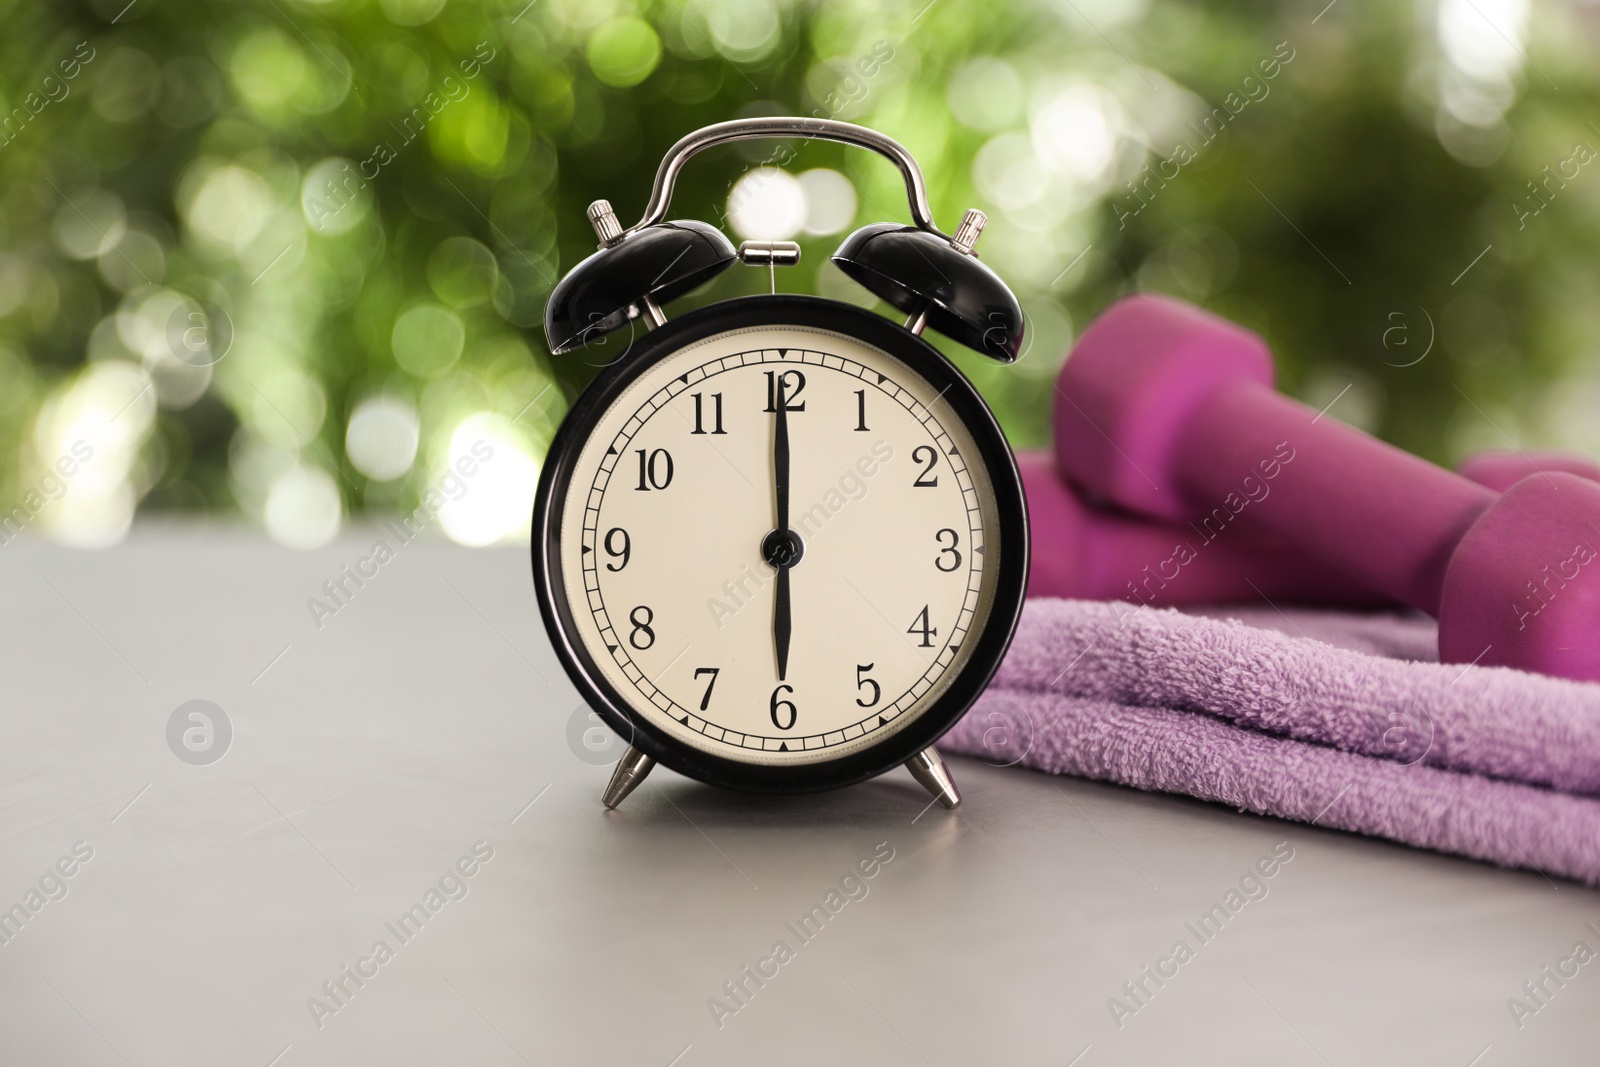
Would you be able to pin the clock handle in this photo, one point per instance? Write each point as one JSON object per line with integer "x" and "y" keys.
{"x": 812, "y": 129}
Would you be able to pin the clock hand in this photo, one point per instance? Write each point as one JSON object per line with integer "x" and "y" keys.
{"x": 781, "y": 559}
{"x": 780, "y": 459}
{"x": 780, "y": 622}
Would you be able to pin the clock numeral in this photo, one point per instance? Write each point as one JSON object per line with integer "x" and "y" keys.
{"x": 862, "y": 683}
{"x": 794, "y": 713}
{"x": 716, "y": 417}
{"x": 642, "y": 626}
{"x": 705, "y": 701}
{"x": 790, "y": 392}
{"x": 625, "y": 552}
{"x": 947, "y": 550}
{"x": 861, "y": 411}
{"x": 655, "y": 469}
{"x": 920, "y": 626}
{"x": 927, "y": 479}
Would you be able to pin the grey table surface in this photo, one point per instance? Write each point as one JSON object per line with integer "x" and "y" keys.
{"x": 429, "y": 714}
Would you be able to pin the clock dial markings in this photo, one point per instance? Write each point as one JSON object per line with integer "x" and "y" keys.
{"x": 672, "y": 692}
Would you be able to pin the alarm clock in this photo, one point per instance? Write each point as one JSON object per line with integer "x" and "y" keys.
{"x": 779, "y": 542}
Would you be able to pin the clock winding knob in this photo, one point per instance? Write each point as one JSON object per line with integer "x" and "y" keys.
{"x": 604, "y": 220}
{"x": 967, "y": 234}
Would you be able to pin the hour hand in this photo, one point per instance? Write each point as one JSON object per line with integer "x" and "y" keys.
{"x": 781, "y": 550}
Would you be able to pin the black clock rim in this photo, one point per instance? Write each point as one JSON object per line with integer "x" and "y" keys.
{"x": 995, "y": 453}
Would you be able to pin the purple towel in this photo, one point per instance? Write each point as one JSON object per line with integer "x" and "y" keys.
{"x": 1485, "y": 762}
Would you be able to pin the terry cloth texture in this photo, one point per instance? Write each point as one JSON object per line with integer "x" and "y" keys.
{"x": 1327, "y": 718}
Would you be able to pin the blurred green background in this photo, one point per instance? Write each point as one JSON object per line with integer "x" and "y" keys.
{"x": 283, "y": 259}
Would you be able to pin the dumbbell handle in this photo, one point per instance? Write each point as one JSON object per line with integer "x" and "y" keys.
{"x": 1088, "y": 553}
{"x": 1340, "y": 496}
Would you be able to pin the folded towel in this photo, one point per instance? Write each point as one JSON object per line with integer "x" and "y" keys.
{"x": 1483, "y": 720}
{"x": 1411, "y": 636}
{"x": 1477, "y": 761}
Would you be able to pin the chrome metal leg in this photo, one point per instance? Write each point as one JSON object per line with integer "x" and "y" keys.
{"x": 928, "y": 768}
{"x": 631, "y": 770}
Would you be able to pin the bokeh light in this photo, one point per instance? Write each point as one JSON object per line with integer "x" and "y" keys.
{"x": 334, "y": 197}
{"x": 303, "y": 509}
{"x": 288, "y": 406}
{"x": 986, "y": 94}
{"x": 427, "y": 340}
{"x": 411, "y": 12}
{"x": 463, "y": 272}
{"x": 494, "y": 502}
{"x": 767, "y": 204}
{"x": 1075, "y": 133}
{"x": 830, "y": 201}
{"x": 381, "y": 439}
{"x": 229, "y": 208}
{"x": 744, "y": 30}
{"x": 1008, "y": 173}
{"x": 268, "y": 68}
{"x": 624, "y": 51}
{"x": 85, "y": 442}
{"x": 1483, "y": 38}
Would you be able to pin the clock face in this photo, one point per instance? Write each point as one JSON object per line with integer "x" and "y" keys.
{"x": 673, "y": 562}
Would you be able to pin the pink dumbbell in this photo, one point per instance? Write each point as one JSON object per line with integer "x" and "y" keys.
{"x": 1169, "y": 411}
{"x": 1091, "y": 554}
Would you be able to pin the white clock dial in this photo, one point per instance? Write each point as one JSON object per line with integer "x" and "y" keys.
{"x": 673, "y": 494}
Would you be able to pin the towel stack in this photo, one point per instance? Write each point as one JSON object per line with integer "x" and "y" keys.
{"x": 1339, "y": 721}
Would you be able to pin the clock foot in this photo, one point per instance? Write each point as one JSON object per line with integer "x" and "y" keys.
{"x": 631, "y": 770}
{"x": 928, "y": 768}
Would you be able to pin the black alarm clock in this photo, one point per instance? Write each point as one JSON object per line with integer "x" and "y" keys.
{"x": 779, "y": 542}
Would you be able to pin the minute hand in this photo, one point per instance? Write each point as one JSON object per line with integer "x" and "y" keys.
{"x": 780, "y": 460}
{"x": 784, "y": 558}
